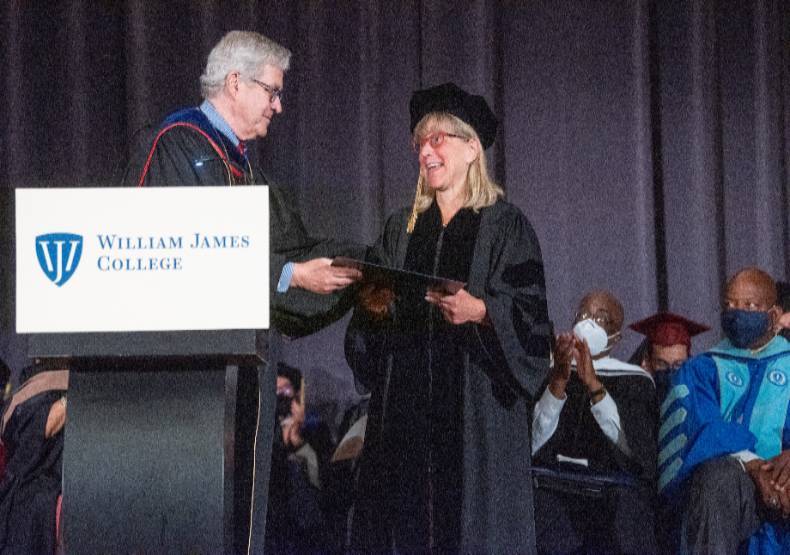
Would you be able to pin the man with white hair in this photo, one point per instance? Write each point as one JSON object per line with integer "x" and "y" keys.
{"x": 207, "y": 145}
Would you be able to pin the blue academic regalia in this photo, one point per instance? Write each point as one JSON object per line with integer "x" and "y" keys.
{"x": 721, "y": 402}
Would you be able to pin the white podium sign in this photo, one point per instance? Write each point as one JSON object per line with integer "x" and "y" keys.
{"x": 142, "y": 259}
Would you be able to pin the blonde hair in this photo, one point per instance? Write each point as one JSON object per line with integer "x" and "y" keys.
{"x": 480, "y": 190}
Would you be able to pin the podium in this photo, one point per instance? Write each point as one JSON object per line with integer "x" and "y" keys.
{"x": 153, "y": 298}
{"x": 160, "y": 436}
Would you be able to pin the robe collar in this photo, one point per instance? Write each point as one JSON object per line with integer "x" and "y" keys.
{"x": 612, "y": 367}
{"x": 198, "y": 118}
{"x": 775, "y": 346}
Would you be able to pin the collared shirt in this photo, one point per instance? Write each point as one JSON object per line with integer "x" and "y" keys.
{"x": 219, "y": 122}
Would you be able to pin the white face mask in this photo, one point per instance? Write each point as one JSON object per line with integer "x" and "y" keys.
{"x": 594, "y": 334}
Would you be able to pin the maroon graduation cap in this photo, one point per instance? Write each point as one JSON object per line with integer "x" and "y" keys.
{"x": 666, "y": 328}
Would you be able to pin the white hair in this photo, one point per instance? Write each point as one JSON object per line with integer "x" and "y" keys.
{"x": 242, "y": 51}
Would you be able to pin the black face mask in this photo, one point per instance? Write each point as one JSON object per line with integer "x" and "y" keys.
{"x": 283, "y": 409}
{"x": 744, "y": 327}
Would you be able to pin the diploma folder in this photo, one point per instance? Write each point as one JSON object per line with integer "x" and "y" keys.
{"x": 579, "y": 481}
{"x": 399, "y": 280}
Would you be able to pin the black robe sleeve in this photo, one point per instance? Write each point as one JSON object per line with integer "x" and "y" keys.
{"x": 518, "y": 339}
{"x": 298, "y": 312}
{"x": 366, "y": 336}
{"x": 32, "y": 481}
{"x": 635, "y": 397}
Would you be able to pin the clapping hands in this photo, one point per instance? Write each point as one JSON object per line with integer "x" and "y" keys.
{"x": 568, "y": 347}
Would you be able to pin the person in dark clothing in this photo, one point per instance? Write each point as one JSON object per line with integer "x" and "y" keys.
{"x": 32, "y": 435}
{"x": 667, "y": 347}
{"x": 594, "y": 438}
{"x": 445, "y": 464}
{"x": 5, "y": 383}
{"x": 208, "y": 145}
{"x": 345, "y": 471}
{"x": 298, "y": 504}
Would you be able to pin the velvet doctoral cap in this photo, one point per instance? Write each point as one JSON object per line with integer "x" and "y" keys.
{"x": 452, "y": 99}
{"x": 666, "y": 329}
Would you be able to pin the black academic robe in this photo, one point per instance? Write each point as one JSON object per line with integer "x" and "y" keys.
{"x": 186, "y": 150}
{"x": 31, "y": 484}
{"x": 446, "y": 460}
{"x": 297, "y": 519}
{"x": 621, "y": 519}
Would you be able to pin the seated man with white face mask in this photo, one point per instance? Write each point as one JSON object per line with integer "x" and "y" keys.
{"x": 594, "y": 433}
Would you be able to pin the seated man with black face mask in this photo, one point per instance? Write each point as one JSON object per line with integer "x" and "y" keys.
{"x": 725, "y": 432}
{"x": 594, "y": 440}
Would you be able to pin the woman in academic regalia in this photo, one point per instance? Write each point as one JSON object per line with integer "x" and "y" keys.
{"x": 445, "y": 466}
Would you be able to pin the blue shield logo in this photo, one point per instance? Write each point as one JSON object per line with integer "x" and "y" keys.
{"x": 58, "y": 255}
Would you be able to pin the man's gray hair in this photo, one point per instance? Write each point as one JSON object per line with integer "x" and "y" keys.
{"x": 242, "y": 51}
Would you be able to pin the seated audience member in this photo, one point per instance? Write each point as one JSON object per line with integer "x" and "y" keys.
{"x": 596, "y": 423}
{"x": 300, "y": 469}
{"x": 345, "y": 470}
{"x": 32, "y": 433}
{"x": 5, "y": 383}
{"x": 668, "y": 345}
{"x": 724, "y": 456}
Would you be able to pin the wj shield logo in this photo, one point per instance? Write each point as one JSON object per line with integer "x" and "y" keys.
{"x": 734, "y": 379}
{"x": 58, "y": 255}
{"x": 777, "y": 377}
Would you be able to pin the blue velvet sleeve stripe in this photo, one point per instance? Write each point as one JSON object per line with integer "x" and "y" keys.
{"x": 671, "y": 422}
{"x": 672, "y": 448}
{"x": 669, "y": 474}
{"x": 693, "y": 412}
{"x": 680, "y": 391}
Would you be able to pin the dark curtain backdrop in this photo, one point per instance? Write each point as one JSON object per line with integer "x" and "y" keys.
{"x": 647, "y": 141}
